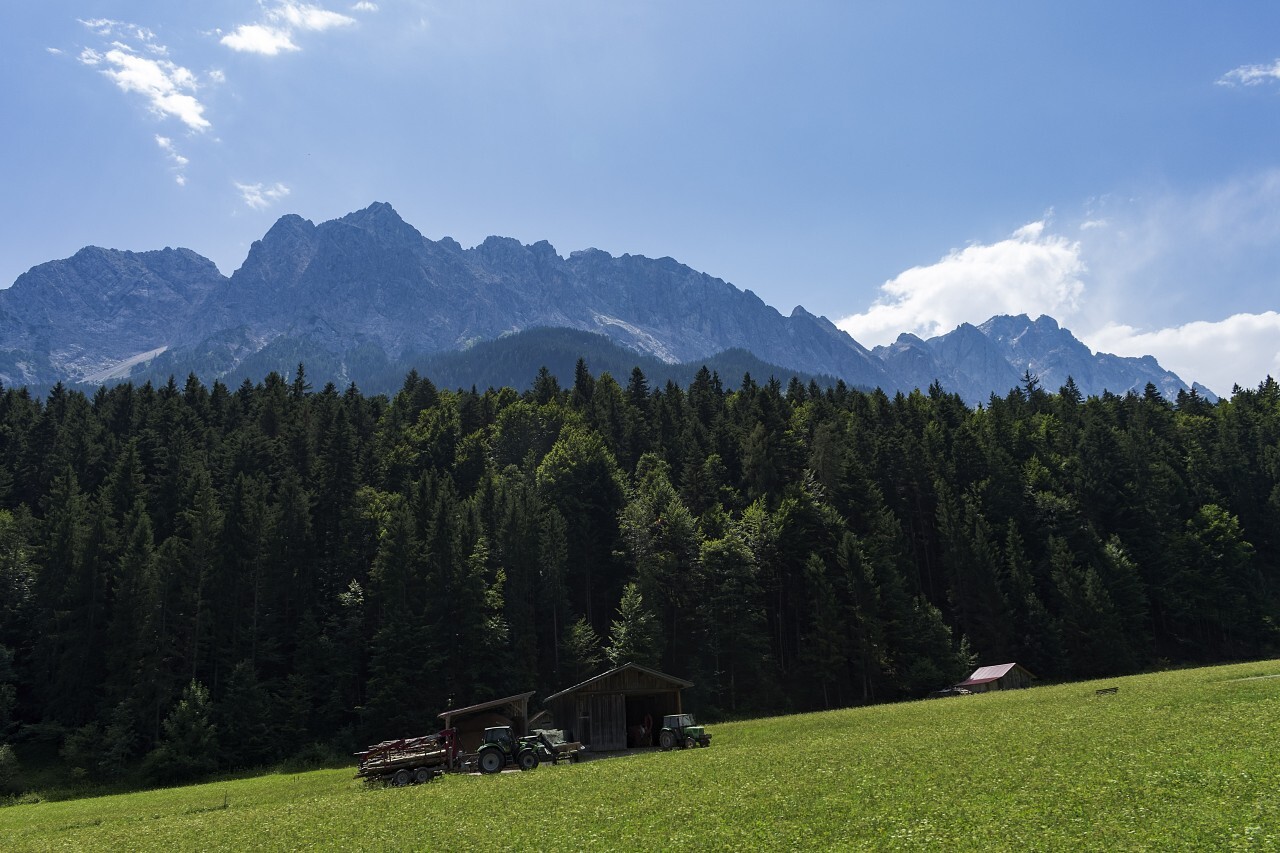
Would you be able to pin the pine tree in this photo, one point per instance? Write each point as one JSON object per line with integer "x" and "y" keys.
{"x": 244, "y": 720}
{"x": 189, "y": 747}
{"x": 736, "y": 633}
{"x": 580, "y": 654}
{"x": 635, "y": 636}
{"x": 822, "y": 644}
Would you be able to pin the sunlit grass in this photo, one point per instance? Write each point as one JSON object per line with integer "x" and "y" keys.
{"x": 1181, "y": 760}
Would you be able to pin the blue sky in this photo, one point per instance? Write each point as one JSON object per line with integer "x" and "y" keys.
{"x": 896, "y": 167}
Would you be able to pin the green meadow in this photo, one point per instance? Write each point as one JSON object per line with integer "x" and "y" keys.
{"x": 1177, "y": 760}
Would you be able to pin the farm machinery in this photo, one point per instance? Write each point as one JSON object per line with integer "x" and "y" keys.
{"x": 681, "y": 730}
{"x": 415, "y": 759}
{"x": 421, "y": 759}
{"x": 501, "y": 748}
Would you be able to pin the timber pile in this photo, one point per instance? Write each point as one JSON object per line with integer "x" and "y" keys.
{"x": 392, "y": 754}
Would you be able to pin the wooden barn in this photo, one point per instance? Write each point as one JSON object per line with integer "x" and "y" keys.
{"x": 610, "y": 711}
{"x": 1004, "y": 676}
{"x": 472, "y": 720}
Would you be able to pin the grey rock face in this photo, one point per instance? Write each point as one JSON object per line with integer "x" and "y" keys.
{"x": 80, "y": 315}
{"x": 978, "y": 361}
{"x": 369, "y": 283}
{"x": 372, "y": 276}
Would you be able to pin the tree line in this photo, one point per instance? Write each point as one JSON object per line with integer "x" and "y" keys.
{"x": 200, "y": 578}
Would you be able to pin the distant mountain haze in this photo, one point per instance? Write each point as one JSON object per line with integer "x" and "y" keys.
{"x": 366, "y": 297}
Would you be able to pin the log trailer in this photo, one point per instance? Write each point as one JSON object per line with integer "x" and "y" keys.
{"x": 411, "y": 760}
{"x": 420, "y": 759}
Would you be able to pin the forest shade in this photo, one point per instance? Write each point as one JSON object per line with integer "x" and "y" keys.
{"x": 289, "y": 567}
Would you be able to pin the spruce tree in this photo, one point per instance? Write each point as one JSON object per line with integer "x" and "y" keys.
{"x": 635, "y": 636}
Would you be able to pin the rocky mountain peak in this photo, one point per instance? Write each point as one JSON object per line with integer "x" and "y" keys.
{"x": 383, "y": 222}
{"x": 369, "y": 292}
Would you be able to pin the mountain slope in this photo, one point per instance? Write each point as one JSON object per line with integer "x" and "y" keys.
{"x": 72, "y": 318}
{"x": 369, "y": 278}
{"x": 366, "y": 297}
{"x": 977, "y": 361}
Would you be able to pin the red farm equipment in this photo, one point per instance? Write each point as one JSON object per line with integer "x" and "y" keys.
{"x": 411, "y": 760}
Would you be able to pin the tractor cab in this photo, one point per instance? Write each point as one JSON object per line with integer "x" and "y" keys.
{"x": 500, "y": 748}
{"x": 500, "y": 736}
{"x": 681, "y": 730}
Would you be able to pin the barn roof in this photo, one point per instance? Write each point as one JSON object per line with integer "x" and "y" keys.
{"x": 653, "y": 673}
{"x": 484, "y": 706}
{"x": 988, "y": 674}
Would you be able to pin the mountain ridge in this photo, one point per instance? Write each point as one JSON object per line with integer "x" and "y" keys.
{"x": 369, "y": 283}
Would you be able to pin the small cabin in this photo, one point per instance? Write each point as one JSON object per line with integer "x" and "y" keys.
{"x": 1003, "y": 676}
{"x": 618, "y": 708}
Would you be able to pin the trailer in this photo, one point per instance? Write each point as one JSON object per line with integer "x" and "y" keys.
{"x": 411, "y": 760}
{"x": 554, "y": 748}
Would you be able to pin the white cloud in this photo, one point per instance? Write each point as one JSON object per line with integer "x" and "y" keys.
{"x": 166, "y": 145}
{"x": 168, "y": 88}
{"x": 303, "y": 17}
{"x": 1166, "y": 258}
{"x": 258, "y": 38}
{"x": 274, "y": 34}
{"x": 1251, "y": 75}
{"x": 176, "y": 160}
{"x": 1156, "y": 264}
{"x": 365, "y": 6}
{"x": 1030, "y": 272}
{"x": 259, "y": 196}
{"x": 1240, "y": 350}
{"x": 108, "y": 28}
{"x": 55, "y": 51}
{"x": 102, "y": 26}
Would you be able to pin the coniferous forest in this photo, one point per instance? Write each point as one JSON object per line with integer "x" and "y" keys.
{"x": 196, "y": 578}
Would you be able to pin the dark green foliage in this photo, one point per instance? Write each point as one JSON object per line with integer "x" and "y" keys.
{"x": 10, "y": 771}
{"x": 189, "y": 746}
{"x": 635, "y": 636}
{"x": 244, "y": 720}
{"x": 580, "y": 653}
{"x": 336, "y": 567}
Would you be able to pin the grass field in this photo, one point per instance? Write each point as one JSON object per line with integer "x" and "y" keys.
{"x": 1180, "y": 760}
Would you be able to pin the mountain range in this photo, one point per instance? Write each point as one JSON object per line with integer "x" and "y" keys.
{"x": 366, "y": 297}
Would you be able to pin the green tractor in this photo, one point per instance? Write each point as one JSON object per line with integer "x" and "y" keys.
{"x": 680, "y": 730}
{"x": 501, "y": 747}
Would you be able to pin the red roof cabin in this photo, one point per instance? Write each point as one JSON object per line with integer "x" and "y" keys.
{"x": 1004, "y": 676}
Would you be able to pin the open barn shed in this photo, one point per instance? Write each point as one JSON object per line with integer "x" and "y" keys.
{"x": 1003, "y": 676}
{"x": 472, "y": 720}
{"x": 602, "y": 711}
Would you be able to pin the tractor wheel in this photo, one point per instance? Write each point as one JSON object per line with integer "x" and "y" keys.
{"x": 690, "y": 743}
{"x": 666, "y": 739}
{"x": 491, "y": 761}
{"x": 422, "y": 774}
{"x": 528, "y": 760}
{"x": 400, "y": 779}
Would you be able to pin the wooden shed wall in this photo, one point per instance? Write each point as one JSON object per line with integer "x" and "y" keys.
{"x": 596, "y": 713}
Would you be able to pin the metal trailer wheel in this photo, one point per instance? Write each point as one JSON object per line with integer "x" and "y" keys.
{"x": 400, "y": 779}
{"x": 666, "y": 739}
{"x": 491, "y": 761}
{"x": 528, "y": 760}
{"x": 422, "y": 774}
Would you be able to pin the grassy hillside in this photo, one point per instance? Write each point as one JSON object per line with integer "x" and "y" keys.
{"x": 1182, "y": 760}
